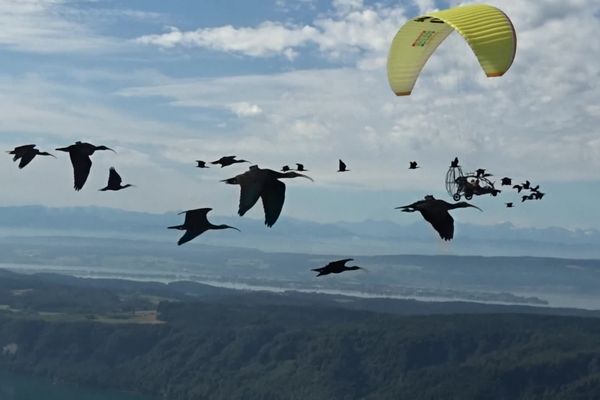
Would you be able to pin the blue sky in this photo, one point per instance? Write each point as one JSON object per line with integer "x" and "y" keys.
{"x": 278, "y": 82}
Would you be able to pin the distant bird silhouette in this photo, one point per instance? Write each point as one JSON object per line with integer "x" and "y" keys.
{"x": 454, "y": 163}
{"x": 196, "y": 224}
{"x": 80, "y": 153}
{"x": 342, "y": 167}
{"x": 114, "y": 181}
{"x": 26, "y": 153}
{"x": 435, "y": 212}
{"x": 506, "y": 181}
{"x": 535, "y": 189}
{"x": 300, "y": 168}
{"x": 481, "y": 173}
{"x": 286, "y": 168}
{"x": 528, "y": 197}
{"x": 262, "y": 183}
{"x": 228, "y": 160}
{"x": 526, "y": 185}
{"x": 509, "y": 205}
{"x": 518, "y": 187}
{"x": 335, "y": 267}
{"x": 413, "y": 165}
{"x": 201, "y": 164}
{"x": 538, "y": 195}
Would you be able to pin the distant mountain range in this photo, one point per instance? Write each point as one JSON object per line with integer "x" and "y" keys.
{"x": 370, "y": 237}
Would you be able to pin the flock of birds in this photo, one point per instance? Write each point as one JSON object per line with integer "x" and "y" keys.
{"x": 260, "y": 183}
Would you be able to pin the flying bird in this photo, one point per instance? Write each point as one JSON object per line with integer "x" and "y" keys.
{"x": 518, "y": 187}
{"x": 413, "y": 165}
{"x": 27, "y": 153}
{"x": 114, "y": 181}
{"x": 538, "y": 195}
{"x": 265, "y": 184}
{"x": 201, "y": 164}
{"x": 342, "y": 167}
{"x": 535, "y": 189}
{"x": 228, "y": 160}
{"x": 196, "y": 224}
{"x": 300, "y": 167}
{"x": 336, "y": 267}
{"x": 506, "y": 181}
{"x": 435, "y": 212}
{"x": 80, "y": 153}
{"x": 285, "y": 168}
{"x": 454, "y": 163}
{"x": 509, "y": 205}
{"x": 481, "y": 173}
{"x": 528, "y": 197}
{"x": 526, "y": 185}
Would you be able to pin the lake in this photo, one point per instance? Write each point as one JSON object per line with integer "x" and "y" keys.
{"x": 25, "y": 387}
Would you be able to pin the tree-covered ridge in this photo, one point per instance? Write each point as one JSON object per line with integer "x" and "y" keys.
{"x": 235, "y": 351}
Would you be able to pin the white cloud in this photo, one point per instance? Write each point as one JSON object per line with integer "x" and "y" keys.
{"x": 352, "y": 31}
{"x": 266, "y": 39}
{"x": 41, "y": 26}
{"x": 244, "y": 109}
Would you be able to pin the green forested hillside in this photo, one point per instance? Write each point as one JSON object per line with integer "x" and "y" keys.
{"x": 212, "y": 351}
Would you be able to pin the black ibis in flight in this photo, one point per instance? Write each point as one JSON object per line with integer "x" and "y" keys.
{"x": 336, "y": 267}
{"x": 201, "y": 164}
{"x": 509, "y": 205}
{"x": 506, "y": 181}
{"x": 481, "y": 173}
{"x": 535, "y": 189}
{"x": 454, "y": 163}
{"x": 538, "y": 195}
{"x": 265, "y": 184}
{"x": 26, "y": 153}
{"x": 286, "y": 168}
{"x": 80, "y": 153}
{"x": 528, "y": 197}
{"x": 342, "y": 167}
{"x": 526, "y": 184}
{"x": 518, "y": 187}
{"x": 413, "y": 165}
{"x": 228, "y": 160}
{"x": 435, "y": 212}
{"x": 114, "y": 181}
{"x": 300, "y": 167}
{"x": 195, "y": 224}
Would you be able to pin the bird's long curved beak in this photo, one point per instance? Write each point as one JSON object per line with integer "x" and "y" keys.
{"x": 233, "y": 227}
{"x": 61, "y": 149}
{"x": 307, "y": 177}
{"x": 108, "y": 148}
{"x": 404, "y": 208}
{"x": 471, "y": 205}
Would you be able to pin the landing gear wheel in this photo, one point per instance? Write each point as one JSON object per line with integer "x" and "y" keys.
{"x": 468, "y": 196}
{"x": 456, "y": 197}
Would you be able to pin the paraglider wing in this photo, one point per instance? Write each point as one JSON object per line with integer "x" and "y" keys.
{"x": 486, "y": 29}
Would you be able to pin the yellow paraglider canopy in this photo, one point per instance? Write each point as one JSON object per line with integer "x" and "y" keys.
{"x": 488, "y": 31}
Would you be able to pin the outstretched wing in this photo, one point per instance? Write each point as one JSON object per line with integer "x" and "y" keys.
{"x": 441, "y": 221}
{"x": 26, "y": 157}
{"x": 251, "y": 190}
{"x": 340, "y": 262}
{"x": 81, "y": 168}
{"x": 188, "y": 235}
{"x": 273, "y": 196}
{"x": 114, "y": 179}
{"x": 342, "y": 166}
{"x": 196, "y": 218}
